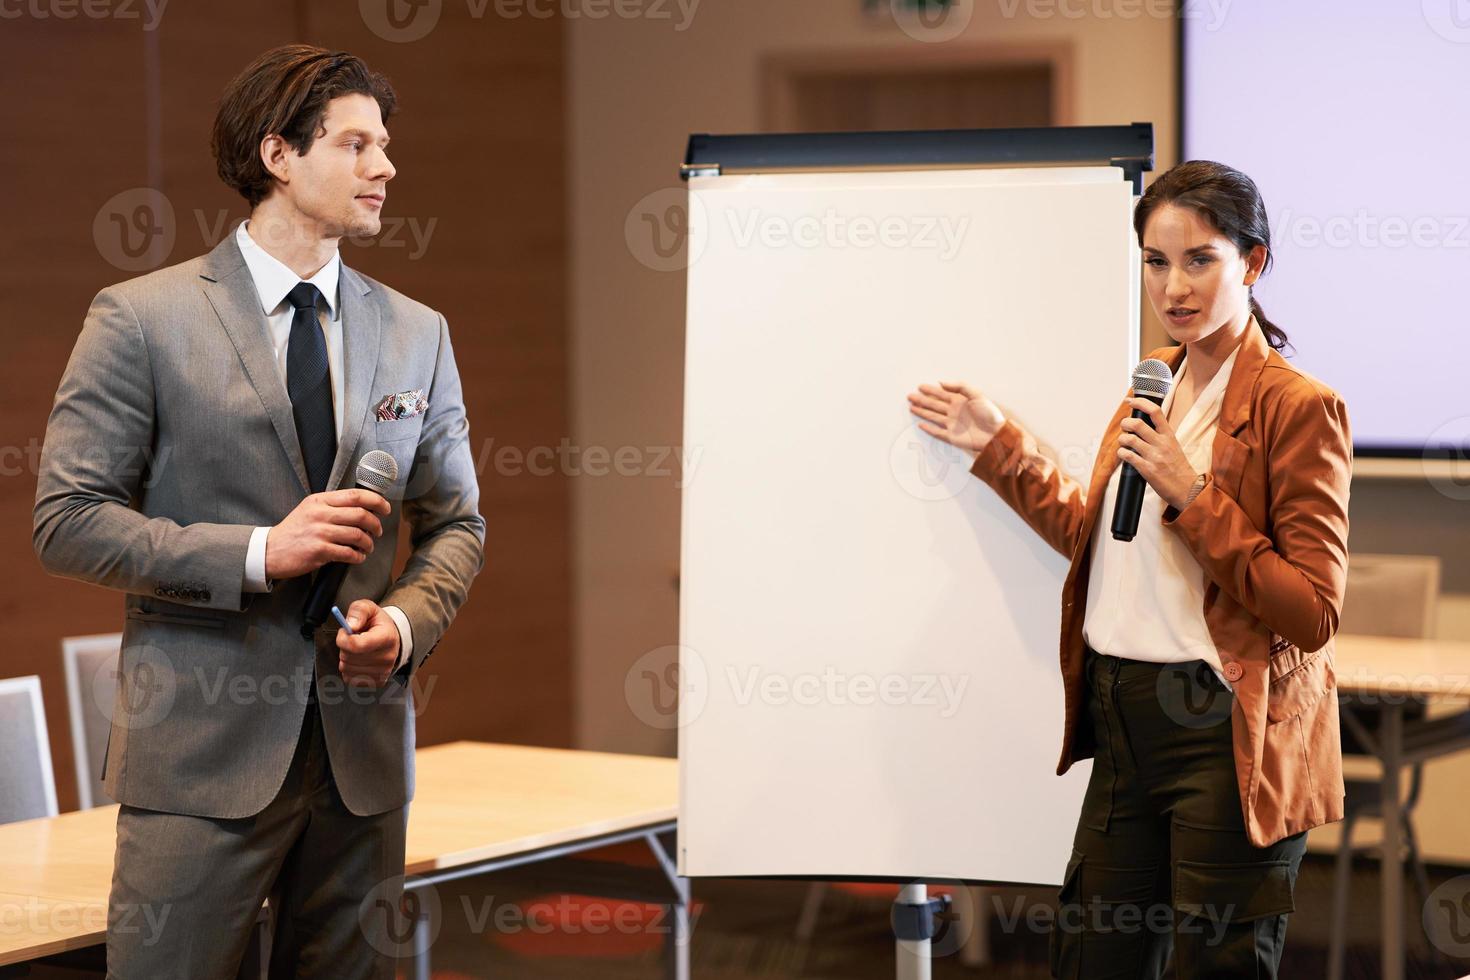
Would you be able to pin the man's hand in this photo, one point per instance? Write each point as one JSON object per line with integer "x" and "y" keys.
{"x": 366, "y": 657}
{"x": 339, "y": 525}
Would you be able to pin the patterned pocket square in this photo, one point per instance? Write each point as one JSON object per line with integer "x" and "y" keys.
{"x": 404, "y": 405}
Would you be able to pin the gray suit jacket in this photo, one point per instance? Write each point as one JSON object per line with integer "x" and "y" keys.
{"x": 171, "y": 439}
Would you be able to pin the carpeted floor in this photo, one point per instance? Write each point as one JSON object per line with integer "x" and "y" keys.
{"x": 507, "y": 927}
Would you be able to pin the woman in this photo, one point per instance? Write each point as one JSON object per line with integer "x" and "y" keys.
{"x": 1196, "y": 658}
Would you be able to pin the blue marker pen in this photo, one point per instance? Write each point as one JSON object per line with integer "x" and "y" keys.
{"x": 343, "y": 620}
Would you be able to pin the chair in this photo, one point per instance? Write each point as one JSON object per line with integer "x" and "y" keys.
{"x": 91, "y": 686}
{"x": 27, "y": 783}
{"x": 1387, "y": 595}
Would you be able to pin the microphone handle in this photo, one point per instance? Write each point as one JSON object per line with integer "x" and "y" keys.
{"x": 1131, "y": 485}
{"x": 323, "y": 594}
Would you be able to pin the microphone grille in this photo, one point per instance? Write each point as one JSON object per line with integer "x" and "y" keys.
{"x": 1152, "y": 377}
{"x": 376, "y": 471}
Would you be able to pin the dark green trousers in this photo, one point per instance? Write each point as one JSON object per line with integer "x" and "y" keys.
{"x": 1160, "y": 861}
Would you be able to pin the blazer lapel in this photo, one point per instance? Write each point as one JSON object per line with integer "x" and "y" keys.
{"x": 230, "y": 290}
{"x": 361, "y": 336}
{"x": 1235, "y": 409}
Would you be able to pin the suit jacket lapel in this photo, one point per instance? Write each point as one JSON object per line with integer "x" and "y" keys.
{"x": 361, "y": 336}
{"x": 230, "y": 290}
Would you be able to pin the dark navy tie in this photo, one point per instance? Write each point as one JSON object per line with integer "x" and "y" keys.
{"x": 309, "y": 384}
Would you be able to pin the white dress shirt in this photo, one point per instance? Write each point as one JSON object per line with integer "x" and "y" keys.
{"x": 274, "y": 280}
{"x": 1145, "y": 597}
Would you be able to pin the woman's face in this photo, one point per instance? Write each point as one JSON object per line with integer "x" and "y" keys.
{"x": 1196, "y": 278}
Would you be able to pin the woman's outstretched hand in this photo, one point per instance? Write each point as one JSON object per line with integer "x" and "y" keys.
{"x": 957, "y": 413}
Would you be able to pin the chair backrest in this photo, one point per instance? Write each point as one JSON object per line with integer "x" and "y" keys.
{"x": 27, "y": 784}
{"x": 1391, "y": 595}
{"x": 91, "y": 686}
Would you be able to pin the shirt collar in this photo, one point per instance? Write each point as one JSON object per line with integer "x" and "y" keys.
{"x": 1209, "y": 399}
{"x": 274, "y": 279}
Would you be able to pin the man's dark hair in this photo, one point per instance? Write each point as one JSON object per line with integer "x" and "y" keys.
{"x": 285, "y": 91}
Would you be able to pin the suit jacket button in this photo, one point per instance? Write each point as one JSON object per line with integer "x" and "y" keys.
{"x": 204, "y": 596}
{"x": 158, "y": 591}
{"x": 1234, "y": 672}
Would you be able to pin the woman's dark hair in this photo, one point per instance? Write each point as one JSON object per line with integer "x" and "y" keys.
{"x": 285, "y": 91}
{"x": 1230, "y": 202}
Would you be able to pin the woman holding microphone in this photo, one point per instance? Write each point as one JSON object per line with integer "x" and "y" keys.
{"x": 1196, "y": 657}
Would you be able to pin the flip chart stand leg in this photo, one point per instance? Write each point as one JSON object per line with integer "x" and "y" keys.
{"x": 914, "y": 916}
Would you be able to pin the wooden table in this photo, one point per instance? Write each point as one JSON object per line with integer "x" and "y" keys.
{"x": 1388, "y": 672}
{"x": 478, "y": 808}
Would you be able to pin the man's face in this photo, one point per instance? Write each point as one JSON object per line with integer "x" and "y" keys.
{"x": 340, "y": 183}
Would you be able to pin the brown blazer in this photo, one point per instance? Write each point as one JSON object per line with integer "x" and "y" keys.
{"x": 1270, "y": 531}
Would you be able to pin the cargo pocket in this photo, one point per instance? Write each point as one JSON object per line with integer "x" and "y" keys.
{"x": 1232, "y": 917}
{"x": 1233, "y": 892}
{"x": 1065, "y": 942}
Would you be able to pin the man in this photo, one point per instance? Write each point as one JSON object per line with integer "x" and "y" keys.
{"x": 249, "y": 761}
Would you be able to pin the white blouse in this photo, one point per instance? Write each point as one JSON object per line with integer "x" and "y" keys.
{"x": 1145, "y": 597}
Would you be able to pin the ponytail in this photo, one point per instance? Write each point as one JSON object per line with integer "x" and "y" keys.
{"x": 1275, "y": 336}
